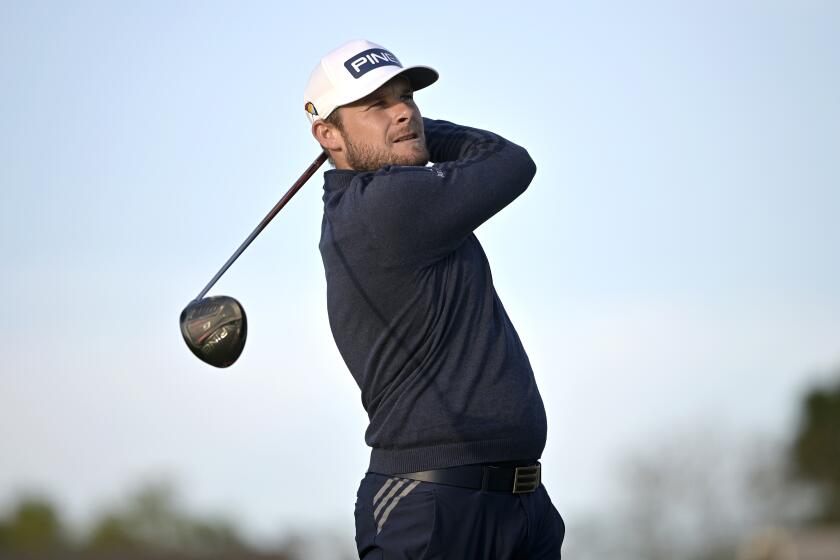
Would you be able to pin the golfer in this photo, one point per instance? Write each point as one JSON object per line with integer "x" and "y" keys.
{"x": 457, "y": 425}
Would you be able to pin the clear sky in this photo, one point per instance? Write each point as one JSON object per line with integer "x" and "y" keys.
{"x": 674, "y": 261}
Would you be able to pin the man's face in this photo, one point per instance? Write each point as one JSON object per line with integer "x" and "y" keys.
{"x": 383, "y": 128}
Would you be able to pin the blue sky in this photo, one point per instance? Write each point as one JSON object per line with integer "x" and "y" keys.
{"x": 673, "y": 263}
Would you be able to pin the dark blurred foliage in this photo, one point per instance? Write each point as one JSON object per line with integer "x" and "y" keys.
{"x": 152, "y": 520}
{"x": 816, "y": 448}
{"x": 699, "y": 492}
{"x": 691, "y": 496}
{"x": 32, "y": 527}
{"x": 150, "y": 525}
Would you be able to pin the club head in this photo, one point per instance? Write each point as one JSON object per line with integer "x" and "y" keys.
{"x": 215, "y": 328}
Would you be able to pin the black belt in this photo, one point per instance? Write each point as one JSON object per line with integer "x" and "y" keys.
{"x": 495, "y": 478}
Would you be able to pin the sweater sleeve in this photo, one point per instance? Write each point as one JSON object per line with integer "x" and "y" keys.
{"x": 424, "y": 213}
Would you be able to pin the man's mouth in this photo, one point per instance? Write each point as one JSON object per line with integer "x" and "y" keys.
{"x": 404, "y": 137}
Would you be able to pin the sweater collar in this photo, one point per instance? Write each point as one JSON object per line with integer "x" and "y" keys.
{"x": 337, "y": 179}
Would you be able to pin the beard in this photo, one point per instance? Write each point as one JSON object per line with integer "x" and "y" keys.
{"x": 366, "y": 157}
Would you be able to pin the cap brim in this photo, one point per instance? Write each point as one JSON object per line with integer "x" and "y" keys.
{"x": 418, "y": 77}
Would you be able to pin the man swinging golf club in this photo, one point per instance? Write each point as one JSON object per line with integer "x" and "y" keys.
{"x": 457, "y": 424}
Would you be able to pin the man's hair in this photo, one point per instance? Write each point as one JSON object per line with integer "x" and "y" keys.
{"x": 334, "y": 119}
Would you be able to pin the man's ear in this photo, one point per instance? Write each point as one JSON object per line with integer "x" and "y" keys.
{"x": 328, "y": 136}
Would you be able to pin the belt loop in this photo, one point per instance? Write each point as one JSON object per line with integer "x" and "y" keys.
{"x": 485, "y": 477}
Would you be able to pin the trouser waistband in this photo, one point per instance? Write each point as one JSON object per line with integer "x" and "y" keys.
{"x": 516, "y": 479}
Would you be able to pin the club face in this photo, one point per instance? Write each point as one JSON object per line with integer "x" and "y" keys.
{"x": 215, "y": 328}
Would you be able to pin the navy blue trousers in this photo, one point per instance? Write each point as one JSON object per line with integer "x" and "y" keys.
{"x": 405, "y": 519}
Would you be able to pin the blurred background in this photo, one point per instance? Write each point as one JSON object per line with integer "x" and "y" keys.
{"x": 671, "y": 270}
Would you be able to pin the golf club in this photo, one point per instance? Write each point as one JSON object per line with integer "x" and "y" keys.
{"x": 215, "y": 328}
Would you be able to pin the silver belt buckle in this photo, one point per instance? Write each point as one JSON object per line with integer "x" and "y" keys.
{"x": 526, "y": 479}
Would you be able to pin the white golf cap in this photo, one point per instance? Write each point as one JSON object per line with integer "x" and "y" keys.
{"x": 351, "y": 72}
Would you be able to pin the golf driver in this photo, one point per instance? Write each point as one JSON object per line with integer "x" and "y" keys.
{"x": 215, "y": 328}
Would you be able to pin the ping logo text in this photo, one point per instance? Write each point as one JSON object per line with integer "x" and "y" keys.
{"x": 364, "y": 62}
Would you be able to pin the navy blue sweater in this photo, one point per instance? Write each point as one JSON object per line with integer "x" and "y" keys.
{"x": 444, "y": 377}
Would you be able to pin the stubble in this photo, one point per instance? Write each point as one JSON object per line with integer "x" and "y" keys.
{"x": 364, "y": 157}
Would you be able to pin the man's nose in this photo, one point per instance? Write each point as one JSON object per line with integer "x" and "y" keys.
{"x": 404, "y": 112}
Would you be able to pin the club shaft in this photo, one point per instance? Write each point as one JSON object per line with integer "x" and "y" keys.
{"x": 277, "y": 207}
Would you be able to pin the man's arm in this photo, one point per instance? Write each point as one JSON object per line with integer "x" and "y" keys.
{"x": 424, "y": 213}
